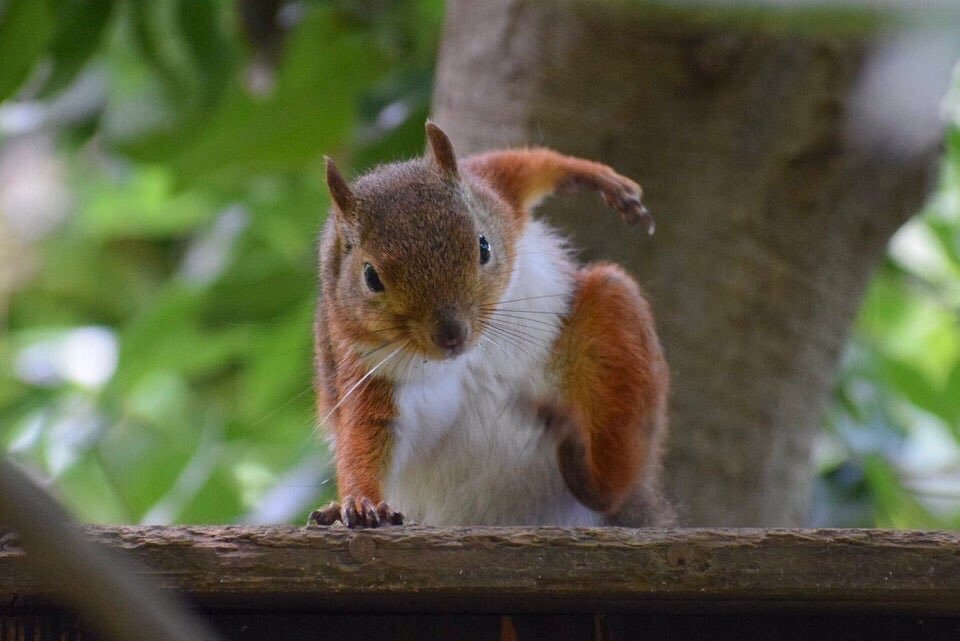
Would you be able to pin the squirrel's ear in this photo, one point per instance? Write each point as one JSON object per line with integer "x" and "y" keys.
{"x": 339, "y": 189}
{"x": 442, "y": 150}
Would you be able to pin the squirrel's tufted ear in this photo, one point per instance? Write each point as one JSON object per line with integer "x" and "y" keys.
{"x": 339, "y": 189}
{"x": 442, "y": 150}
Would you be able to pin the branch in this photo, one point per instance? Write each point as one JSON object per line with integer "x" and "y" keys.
{"x": 64, "y": 564}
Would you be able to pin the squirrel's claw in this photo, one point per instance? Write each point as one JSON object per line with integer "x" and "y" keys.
{"x": 388, "y": 516}
{"x": 633, "y": 212}
{"x": 556, "y": 418}
{"x": 624, "y": 195}
{"x": 352, "y": 514}
{"x": 327, "y": 515}
{"x": 356, "y": 513}
{"x": 647, "y": 219}
{"x": 8, "y": 539}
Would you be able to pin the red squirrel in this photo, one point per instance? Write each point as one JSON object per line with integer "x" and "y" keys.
{"x": 469, "y": 371}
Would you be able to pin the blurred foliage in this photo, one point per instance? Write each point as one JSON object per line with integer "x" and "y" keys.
{"x": 891, "y": 456}
{"x": 157, "y": 366}
{"x": 192, "y": 136}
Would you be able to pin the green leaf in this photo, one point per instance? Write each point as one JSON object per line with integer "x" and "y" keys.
{"x": 914, "y": 385}
{"x": 280, "y": 371}
{"x": 949, "y": 237}
{"x": 261, "y": 286}
{"x": 953, "y": 143}
{"x": 952, "y": 396}
{"x": 142, "y": 462}
{"x": 168, "y": 336}
{"x": 287, "y": 212}
{"x": 883, "y": 307}
{"x": 312, "y": 108}
{"x": 218, "y": 501}
{"x": 25, "y": 28}
{"x": 80, "y": 281}
{"x": 143, "y": 205}
{"x": 162, "y": 398}
{"x": 213, "y": 55}
{"x": 89, "y": 493}
{"x": 78, "y": 32}
{"x": 404, "y": 141}
{"x": 895, "y": 506}
{"x": 157, "y": 41}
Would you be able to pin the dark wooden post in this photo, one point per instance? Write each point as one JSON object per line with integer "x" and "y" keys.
{"x": 424, "y": 584}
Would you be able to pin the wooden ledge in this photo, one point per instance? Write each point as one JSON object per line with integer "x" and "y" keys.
{"x": 533, "y": 569}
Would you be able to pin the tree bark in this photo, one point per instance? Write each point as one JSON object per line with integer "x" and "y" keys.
{"x": 774, "y": 192}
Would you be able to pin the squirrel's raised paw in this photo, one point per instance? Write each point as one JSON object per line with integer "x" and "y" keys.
{"x": 356, "y": 512}
{"x": 624, "y": 195}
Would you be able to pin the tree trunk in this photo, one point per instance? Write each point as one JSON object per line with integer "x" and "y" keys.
{"x": 775, "y": 182}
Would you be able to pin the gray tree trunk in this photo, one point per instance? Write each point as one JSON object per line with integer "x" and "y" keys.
{"x": 776, "y": 176}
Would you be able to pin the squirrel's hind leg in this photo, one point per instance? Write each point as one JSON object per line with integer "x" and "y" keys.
{"x": 610, "y": 414}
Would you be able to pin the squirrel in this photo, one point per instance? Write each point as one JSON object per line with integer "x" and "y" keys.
{"x": 469, "y": 371}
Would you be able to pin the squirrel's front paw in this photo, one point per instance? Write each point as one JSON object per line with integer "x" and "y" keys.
{"x": 624, "y": 195}
{"x": 356, "y": 512}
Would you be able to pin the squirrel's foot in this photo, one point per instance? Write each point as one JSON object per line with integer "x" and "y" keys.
{"x": 624, "y": 195}
{"x": 557, "y": 419}
{"x": 8, "y": 539}
{"x": 356, "y": 512}
{"x": 560, "y": 424}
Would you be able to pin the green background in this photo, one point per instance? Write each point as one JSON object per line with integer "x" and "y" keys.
{"x": 189, "y": 152}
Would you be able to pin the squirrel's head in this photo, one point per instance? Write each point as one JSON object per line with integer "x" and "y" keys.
{"x": 425, "y": 249}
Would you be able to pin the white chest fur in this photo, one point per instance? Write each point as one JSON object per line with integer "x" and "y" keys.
{"x": 466, "y": 447}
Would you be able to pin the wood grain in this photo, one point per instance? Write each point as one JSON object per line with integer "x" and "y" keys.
{"x": 545, "y": 570}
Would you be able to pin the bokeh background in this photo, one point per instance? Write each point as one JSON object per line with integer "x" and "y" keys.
{"x": 161, "y": 190}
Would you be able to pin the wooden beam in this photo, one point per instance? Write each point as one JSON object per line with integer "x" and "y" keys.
{"x": 533, "y": 569}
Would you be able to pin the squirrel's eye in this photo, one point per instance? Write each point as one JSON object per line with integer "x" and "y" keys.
{"x": 484, "y": 251}
{"x": 372, "y": 278}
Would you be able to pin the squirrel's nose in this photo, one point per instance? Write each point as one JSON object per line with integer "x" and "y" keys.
{"x": 451, "y": 334}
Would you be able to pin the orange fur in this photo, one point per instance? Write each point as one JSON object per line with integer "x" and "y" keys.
{"x": 613, "y": 386}
{"x": 409, "y": 221}
{"x": 614, "y": 379}
{"x": 363, "y": 448}
{"x": 406, "y": 220}
{"x": 361, "y": 424}
{"x": 524, "y": 176}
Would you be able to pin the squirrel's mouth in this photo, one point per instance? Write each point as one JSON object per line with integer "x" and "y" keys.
{"x": 435, "y": 350}
{"x": 453, "y": 352}
{"x": 445, "y": 339}
{"x": 450, "y": 335}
